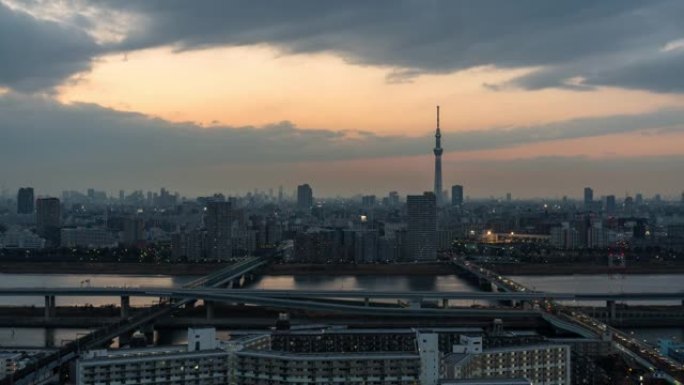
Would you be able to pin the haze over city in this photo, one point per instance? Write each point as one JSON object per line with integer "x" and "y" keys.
{"x": 537, "y": 99}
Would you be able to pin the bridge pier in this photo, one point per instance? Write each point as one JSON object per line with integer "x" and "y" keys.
{"x": 445, "y": 303}
{"x": 366, "y": 301}
{"x": 125, "y": 306}
{"x": 148, "y": 331}
{"x": 209, "y": 308}
{"x": 416, "y": 303}
{"x": 125, "y": 339}
{"x": 49, "y": 337}
{"x": 485, "y": 285}
{"x": 610, "y": 305}
{"x": 49, "y": 306}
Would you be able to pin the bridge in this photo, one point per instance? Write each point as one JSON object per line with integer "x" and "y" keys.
{"x": 573, "y": 319}
{"x": 201, "y": 293}
{"x": 46, "y": 367}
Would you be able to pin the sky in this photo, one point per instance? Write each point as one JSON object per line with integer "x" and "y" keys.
{"x": 537, "y": 98}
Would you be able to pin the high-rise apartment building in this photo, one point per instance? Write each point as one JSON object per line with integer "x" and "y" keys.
{"x": 25, "y": 200}
{"x": 49, "y": 219}
{"x": 133, "y": 230}
{"x": 588, "y": 198}
{"x": 610, "y": 204}
{"x": 421, "y": 227}
{"x": 304, "y": 197}
{"x": 457, "y": 195}
{"x": 218, "y": 220}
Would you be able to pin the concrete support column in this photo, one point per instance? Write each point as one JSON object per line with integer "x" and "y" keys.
{"x": 49, "y": 337}
{"x": 125, "y": 339}
{"x": 49, "y": 306}
{"x": 149, "y": 334}
{"x": 611, "y": 310}
{"x": 209, "y": 308}
{"x": 366, "y": 301}
{"x": 125, "y": 306}
{"x": 445, "y": 303}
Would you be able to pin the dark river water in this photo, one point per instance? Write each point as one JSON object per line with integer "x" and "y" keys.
{"x": 577, "y": 283}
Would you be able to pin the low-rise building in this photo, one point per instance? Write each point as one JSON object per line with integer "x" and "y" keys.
{"x": 87, "y": 237}
{"x": 543, "y": 364}
{"x": 204, "y": 360}
{"x": 277, "y": 367}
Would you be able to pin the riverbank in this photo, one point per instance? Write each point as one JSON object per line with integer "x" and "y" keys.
{"x": 403, "y": 269}
{"x": 586, "y": 268}
{"x": 393, "y": 269}
{"x": 122, "y": 268}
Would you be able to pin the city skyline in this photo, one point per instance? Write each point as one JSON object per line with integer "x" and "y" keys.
{"x": 125, "y": 100}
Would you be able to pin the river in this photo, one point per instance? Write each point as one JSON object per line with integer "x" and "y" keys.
{"x": 576, "y": 283}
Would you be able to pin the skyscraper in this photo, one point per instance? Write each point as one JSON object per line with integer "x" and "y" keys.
{"x": 421, "y": 242}
{"x": 588, "y": 198}
{"x": 610, "y": 204}
{"x": 218, "y": 220}
{"x": 49, "y": 219}
{"x": 304, "y": 197}
{"x": 457, "y": 195}
{"x": 25, "y": 200}
{"x": 438, "y": 162}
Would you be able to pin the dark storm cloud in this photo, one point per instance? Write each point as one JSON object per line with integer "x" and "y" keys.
{"x": 569, "y": 38}
{"x": 39, "y": 54}
{"x": 43, "y": 133}
{"x": 599, "y": 41}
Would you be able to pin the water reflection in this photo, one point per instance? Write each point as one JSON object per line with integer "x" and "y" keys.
{"x": 79, "y": 280}
{"x": 365, "y": 282}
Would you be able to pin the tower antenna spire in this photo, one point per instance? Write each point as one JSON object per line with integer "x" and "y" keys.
{"x": 438, "y": 162}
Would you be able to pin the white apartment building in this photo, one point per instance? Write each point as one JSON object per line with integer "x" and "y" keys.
{"x": 204, "y": 360}
{"x": 276, "y": 368}
{"x": 545, "y": 364}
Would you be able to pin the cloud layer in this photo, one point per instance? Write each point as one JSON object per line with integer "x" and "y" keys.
{"x": 42, "y": 137}
{"x": 620, "y": 43}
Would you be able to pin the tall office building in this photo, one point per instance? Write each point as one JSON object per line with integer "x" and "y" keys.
{"x": 421, "y": 242}
{"x": 610, "y": 204}
{"x": 457, "y": 195}
{"x": 25, "y": 200}
{"x": 304, "y": 197}
{"x": 133, "y": 230}
{"x": 438, "y": 162}
{"x": 218, "y": 220}
{"x": 49, "y": 219}
{"x": 588, "y": 198}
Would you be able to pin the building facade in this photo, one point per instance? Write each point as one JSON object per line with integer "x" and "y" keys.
{"x": 421, "y": 227}
{"x": 218, "y": 220}
{"x": 49, "y": 219}
{"x": 304, "y": 197}
{"x": 540, "y": 364}
{"x": 456, "y": 195}
{"x": 25, "y": 200}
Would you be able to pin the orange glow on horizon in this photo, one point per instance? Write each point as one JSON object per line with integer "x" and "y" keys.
{"x": 257, "y": 85}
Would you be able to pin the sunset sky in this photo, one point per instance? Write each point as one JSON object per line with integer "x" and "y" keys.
{"x": 538, "y": 98}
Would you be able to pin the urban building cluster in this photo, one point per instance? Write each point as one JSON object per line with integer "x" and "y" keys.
{"x": 363, "y": 229}
{"x": 334, "y": 355}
